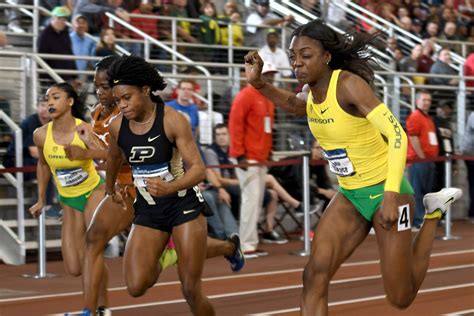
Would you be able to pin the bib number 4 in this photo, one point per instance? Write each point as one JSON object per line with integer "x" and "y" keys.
{"x": 404, "y": 217}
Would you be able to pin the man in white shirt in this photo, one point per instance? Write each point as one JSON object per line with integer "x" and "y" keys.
{"x": 255, "y": 36}
{"x": 276, "y": 56}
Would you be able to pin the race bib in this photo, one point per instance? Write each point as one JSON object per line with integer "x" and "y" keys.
{"x": 339, "y": 162}
{"x": 71, "y": 177}
{"x": 143, "y": 172}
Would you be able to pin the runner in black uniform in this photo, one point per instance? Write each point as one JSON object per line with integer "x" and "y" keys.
{"x": 153, "y": 138}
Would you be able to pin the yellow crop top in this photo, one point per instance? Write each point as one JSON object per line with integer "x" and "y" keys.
{"x": 73, "y": 177}
{"x": 354, "y": 148}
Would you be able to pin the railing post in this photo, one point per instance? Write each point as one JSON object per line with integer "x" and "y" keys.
{"x": 174, "y": 38}
{"x": 447, "y": 184}
{"x": 306, "y": 205}
{"x": 41, "y": 250}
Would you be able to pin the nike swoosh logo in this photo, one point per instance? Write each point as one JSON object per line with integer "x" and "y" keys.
{"x": 373, "y": 197}
{"x": 116, "y": 81}
{"x": 450, "y": 200}
{"x": 188, "y": 211}
{"x": 322, "y": 111}
{"x": 150, "y": 139}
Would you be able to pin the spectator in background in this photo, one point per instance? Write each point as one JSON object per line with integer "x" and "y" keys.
{"x": 417, "y": 28}
{"x": 184, "y": 104}
{"x": 432, "y": 30}
{"x": 255, "y": 36}
{"x": 30, "y": 151}
{"x": 444, "y": 134}
{"x": 425, "y": 61}
{"x": 106, "y": 44}
{"x": 276, "y": 56}
{"x": 54, "y": 39}
{"x": 147, "y": 25}
{"x": 209, "y": 29}
{"x": 250, "y": 125}
{"x": 422, "y": 144}
{"x": 442, "y": 67}
{"x": 231, "y": 18}
{"x": 392, "y": 44}
{"x": 467, "y": 147}
{"x": 450, "y": 34}
{"x": 410, "y": 63}
{"x": 94, "y": 10}
{"x": 178, "y": 9}
{"x": 224, "y": 179}
{"x": 210, "y": 34}
{"x": 81, "y": 44}
{"x": 469, "y": 72}
{"x": 337, "y": 15}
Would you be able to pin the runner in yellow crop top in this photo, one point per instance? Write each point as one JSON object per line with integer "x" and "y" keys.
{"x": 80, "y": 187}
{"x": 366, "y": 147}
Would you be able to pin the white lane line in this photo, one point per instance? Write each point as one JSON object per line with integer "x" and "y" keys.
{"x": 458, "y": 313}
{"x": 268, "y": 290}
{"x": 370, "y": 298}
{"x": 233, "y": 276}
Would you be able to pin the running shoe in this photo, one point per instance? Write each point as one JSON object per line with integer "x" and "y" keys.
{"x": 237, "y": 259}
{"x": 436, "y": 204}
{"x": 169, "y": 257}
{"x": 103, "y": 311}
{"x": 85, "y": 312}
{"x": 273, "y": 238}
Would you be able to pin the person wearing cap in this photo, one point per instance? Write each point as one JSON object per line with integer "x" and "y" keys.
{"x": 255, "y": 36}
{"x": 276, "y": 56}
{"x": 54, "y": 39}
{"x": 95, "y": 12}
{"x": 444, "y": 134}
{"x": 250, "y": 127}
{"x": 81, "y": 44}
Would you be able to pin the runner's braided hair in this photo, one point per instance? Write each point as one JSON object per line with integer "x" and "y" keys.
{"x": 78, "y": 108}
{"x": 135, "y": 71}
{"x": 105, "y": 62}
{"x": 349, "y": 51}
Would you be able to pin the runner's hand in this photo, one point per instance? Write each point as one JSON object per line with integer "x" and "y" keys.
{"x": 36, "y": 209}
{"x": 118, "y": 198}
{"x": 157, "y": 187}
{"x": 74, "y": 152}
{"x": 389, "y": 210}
{"x": 253, "y": 69}
{"x": 84, "y": 131}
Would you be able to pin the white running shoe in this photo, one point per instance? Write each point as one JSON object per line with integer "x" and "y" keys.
{"x": 436, "y": 204}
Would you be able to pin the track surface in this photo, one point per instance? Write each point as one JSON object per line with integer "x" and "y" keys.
{"x": 267, "y": 286}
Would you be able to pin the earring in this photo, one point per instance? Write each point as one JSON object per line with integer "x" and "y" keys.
{"x": 327, "y": 63}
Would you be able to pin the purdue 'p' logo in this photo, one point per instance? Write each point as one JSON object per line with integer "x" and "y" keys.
{"x": 140, "y": 153}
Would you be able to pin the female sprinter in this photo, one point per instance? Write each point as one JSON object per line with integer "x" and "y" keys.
{"x": 154, "y": 139}
{"x": 79, "y": 186}
{"x": 109, "y": 220}
{"x": 359, "y": 135}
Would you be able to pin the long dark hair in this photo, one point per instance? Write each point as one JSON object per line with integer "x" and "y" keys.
{"x": 349, "y": 51}
{"x": 78, "y": 108}
{"x": 135, "y": 71}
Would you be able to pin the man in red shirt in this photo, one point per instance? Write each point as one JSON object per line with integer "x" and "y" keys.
{"x": 250, "y": 126}
{"x": 422, "y": 143}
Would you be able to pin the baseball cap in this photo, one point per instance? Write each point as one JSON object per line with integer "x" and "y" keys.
{"x": 79, "y": 16}
{"x": 61, "y": 11}
{"x": 263, "y": 2}
{"x": 268, "y": 67}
